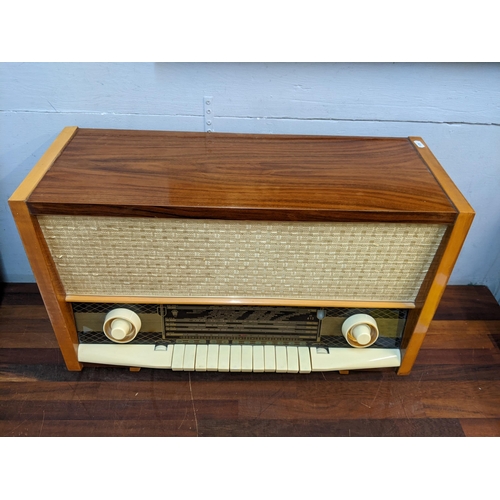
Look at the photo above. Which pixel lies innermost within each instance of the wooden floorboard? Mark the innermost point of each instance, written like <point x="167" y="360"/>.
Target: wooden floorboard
<point x="453" y="390"/>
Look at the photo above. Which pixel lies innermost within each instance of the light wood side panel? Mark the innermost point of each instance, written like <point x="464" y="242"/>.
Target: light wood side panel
<point x="228" y="301"/>
<point x="438" y="286"/>
<point x="455" y="243"/>
<point x="51" y="289"/>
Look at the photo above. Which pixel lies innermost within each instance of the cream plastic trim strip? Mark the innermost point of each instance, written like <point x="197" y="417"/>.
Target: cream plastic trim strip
<point x="151" y="356"/>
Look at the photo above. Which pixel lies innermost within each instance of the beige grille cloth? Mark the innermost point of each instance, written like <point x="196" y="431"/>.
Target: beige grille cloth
<point x="122" y="256"/>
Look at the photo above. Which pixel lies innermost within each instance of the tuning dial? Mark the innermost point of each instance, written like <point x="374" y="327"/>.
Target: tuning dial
<point x="121" y="325"/>
<point x="360" y="330"/>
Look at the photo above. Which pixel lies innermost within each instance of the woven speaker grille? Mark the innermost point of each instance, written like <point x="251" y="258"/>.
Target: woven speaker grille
<point x="213" y="258"/>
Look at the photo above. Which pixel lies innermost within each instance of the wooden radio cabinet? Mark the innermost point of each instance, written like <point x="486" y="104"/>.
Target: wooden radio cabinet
<point x="236" y="252"/>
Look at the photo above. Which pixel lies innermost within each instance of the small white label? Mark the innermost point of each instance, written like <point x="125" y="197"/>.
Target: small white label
<point x="419" y="144"/>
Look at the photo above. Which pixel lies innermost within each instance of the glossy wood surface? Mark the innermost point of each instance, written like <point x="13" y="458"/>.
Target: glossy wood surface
<point x="238" y="176"/>
<point x="453" y="390"/>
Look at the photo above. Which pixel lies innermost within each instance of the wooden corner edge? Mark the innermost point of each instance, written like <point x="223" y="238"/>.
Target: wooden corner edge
<point x="30" y="182"/>
<point x="442" y="177"/>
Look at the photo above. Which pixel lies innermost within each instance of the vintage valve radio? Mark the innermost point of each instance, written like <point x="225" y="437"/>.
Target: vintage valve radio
<point x="235" y="252"/>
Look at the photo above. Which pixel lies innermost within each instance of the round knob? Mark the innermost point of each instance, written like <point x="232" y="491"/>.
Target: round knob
<point x="120" y="328"/>
<point x="362" y="334"/>
<point x="360" y="330"/>
<point x="121" y="325"/>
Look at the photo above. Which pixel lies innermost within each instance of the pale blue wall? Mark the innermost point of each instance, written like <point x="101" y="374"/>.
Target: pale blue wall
<point x="454" y="107"/>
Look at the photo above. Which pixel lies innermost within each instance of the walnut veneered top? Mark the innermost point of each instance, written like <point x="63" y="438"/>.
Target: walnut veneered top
<point x="241" y="176"/>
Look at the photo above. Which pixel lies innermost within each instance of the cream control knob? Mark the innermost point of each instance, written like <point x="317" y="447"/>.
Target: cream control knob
<point x="120" y="328"/>
<point x="360" y="330"/>
<point x="121" y="325"/>
<point x="362" y="334"/>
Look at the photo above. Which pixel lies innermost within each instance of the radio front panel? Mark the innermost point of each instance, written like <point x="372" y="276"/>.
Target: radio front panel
<point x="257" y="325"/>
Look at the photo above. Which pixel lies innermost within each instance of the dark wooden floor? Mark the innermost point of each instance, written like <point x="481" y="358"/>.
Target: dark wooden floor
<point x="454" y="389"/>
